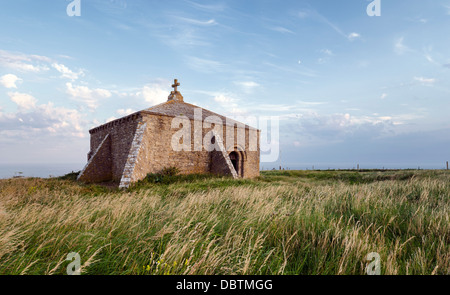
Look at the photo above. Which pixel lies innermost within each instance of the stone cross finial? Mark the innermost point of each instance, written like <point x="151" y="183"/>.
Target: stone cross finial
<point x="175" y="95"/>
<point x="175" y="85"/>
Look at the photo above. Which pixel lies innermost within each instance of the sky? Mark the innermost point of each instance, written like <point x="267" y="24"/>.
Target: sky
<point x="346" y="87"/>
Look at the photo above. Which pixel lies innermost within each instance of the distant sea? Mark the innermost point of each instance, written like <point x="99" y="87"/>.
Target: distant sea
<point x="37" y="170"/>
<point x="350" y="166"/>
<point x="56" y="170"/>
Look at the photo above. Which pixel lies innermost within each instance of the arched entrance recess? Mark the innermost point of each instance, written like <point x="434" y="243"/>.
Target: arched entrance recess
<point x="238" y="158"/>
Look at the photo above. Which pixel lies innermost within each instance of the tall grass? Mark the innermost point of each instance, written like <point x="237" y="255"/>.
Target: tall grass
<point x="282" y="223"/>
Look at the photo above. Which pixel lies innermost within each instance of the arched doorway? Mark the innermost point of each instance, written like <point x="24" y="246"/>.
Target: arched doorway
<point x="234" y="157"/>
<point x="237" y="159"/>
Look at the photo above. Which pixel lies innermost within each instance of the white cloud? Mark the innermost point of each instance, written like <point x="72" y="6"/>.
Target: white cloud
<point x="151" y="94"/>
<point x="43" y="120"/>
<point x="236" y="112"/>
<point x="229" y="105"/>
<point x="154" y="94"/>
<point x="65" y="56"/>
<point x="23" y="67"/>
<point x="24" y="62"/>
<point x="66" y="72"/>
<point x="223" y="99"/>
<point x="63" y="119"/>
<point x="353" y="36"/>
<point x="86" y="95"/>
<point x="426" y="81"/>
<point x="311" y="127"/>
<point x="110" y="119"/>
<point x="125" y="112"/>
<point x="428" y="51"/>
<point x="9" y="81"/>
<point x="247" y="86"/>
<point x="384" y="95"/>
<point x="226" y="104"/>
<point x="430" y="59"/>
<point x="23" y="100"/>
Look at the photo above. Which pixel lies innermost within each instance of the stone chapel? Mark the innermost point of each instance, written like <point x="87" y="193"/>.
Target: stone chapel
<point x="172" y="134"/>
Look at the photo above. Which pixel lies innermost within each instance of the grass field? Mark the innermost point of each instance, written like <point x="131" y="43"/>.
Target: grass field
<point x="285" y="222"/>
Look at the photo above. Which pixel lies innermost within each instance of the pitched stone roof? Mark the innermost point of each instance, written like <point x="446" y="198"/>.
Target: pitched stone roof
<point x="175" y="108"/>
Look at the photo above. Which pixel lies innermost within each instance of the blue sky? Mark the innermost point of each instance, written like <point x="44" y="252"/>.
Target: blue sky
<point x="348" y="88"/>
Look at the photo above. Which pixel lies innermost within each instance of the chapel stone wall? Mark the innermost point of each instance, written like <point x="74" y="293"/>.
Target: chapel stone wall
<point x="156" y="151"/>
<point x="122" y="134"/>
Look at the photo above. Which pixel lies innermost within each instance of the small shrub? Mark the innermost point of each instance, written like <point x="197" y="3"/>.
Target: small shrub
<point x="170" y="171"/>
<point x="166" y="176"/>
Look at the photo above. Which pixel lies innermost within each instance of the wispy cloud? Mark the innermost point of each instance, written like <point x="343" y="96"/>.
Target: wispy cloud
<point x="204" y="65"/>
<point x="282" y="30"/>
<point x="247" y="86"/>
<point x="207" y="7"/>
<point x="425" y="81"/>
<point x="302" y="103"/>
<point x="185" y="38"/>
<point x="448" y="9"/>
<point x="196" y="22"/>
<point x="327" y="52"/>
<point x="114" y="7"/>
<point x="332" y="25"/>
<point x="400" y="48"/>
<point x="303" y="13"/>
<point x="313" y="127"/>
<point x="428" y="56"/>
<point x="311" y="13"/>
<point x="24" y="62"/>
<point x="306" y="73"/>
<point x="430" y="59"/>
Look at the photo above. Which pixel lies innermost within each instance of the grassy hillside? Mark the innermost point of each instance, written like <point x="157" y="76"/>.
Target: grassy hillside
<point x="285" y="222"/>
